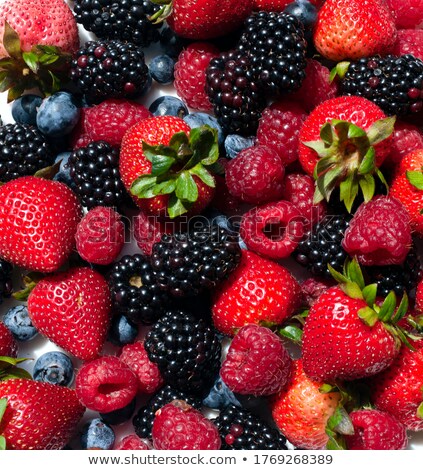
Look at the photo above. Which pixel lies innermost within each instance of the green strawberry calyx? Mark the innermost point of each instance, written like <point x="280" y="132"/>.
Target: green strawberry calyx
<point x="165" y="10"/>
<point x="3" y="406"/>
<point x="43" y="67"/>
<point x="9" y="368"/>
<point x="347" y="159"/>
<point x="415" y="178"/>
<point x="175" y="166"/>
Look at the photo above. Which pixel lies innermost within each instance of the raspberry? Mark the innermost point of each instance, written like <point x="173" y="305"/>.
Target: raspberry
<point x="313" y="287"/>
<point x="299" y="190"/>
<point x="178" y="426"/>
<point x="148" y="230"/>
<point x="273" y="230"/>
<point x="316" y="87"/>
<point x="409" y="41"/>
<point x="108" y="121"/>
<point x="379" y="233"/>
<point x="8" y="345"/>
<point x="279" y="127"/>
<point x="376" y="430"/>
<point x="257" y="362"/>
<point x="133" y="442"/>
<point x="408" y="14"/>
<point x="136" y="358"/>
<point x="406" y="138"/>
<point x="190" y="74"/>
<point x="255" y="175"/>
<point x="100" y="236"/>
<point x="106" y="384"/>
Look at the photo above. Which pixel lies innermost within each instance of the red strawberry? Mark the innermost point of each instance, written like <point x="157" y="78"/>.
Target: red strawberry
<point x="419" y="297"/>
<point x="162" y="169"/>
<point x="247" y="296"/>
<point x="351" y="29"/>
<point x="72" y="309"/>
<point x="38" y="415"/>
<point x="8" y="345"/>
<point x="38" y="221"/>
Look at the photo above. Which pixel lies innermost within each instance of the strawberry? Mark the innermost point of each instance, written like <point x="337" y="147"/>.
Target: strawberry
<point x="38" y="221"/>
<point x="342" y="143"/>
<point x="8" y="345"/>
<point x="352" y="29"/>
<point x="37" y="39"/>
<point x="407" y="186"/>
<point x="72" y="309"/>
<point x="346" y="335"/>
<point x="247" y="296"/>
<point x="167" y="172"/>
<point x="37" y="415"/>
<point x="278" y="5"/>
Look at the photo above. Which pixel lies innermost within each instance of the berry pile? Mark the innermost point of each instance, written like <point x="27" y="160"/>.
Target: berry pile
<point x="166" y="250"/>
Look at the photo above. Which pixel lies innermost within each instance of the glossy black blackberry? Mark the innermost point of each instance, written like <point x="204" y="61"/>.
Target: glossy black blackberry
<point x="394" y="83"/>
<point x="397" y="278"/>
<point x="186" y="349"/>
<point x="109" y="69"/>
<point x="5" y="279"/>
<point x="322" y="246"/>
<point x="277" y="49"/>
<point x="143" y="420"/>
<point x="234" y="93"/>
<point x="23" y="151"/>
<point x="188" y="263"/>
<point x="240" y="429"/>
<point x="135" y="292"/>
<point x="126" y="20"/>
<point x="95" y="172"/>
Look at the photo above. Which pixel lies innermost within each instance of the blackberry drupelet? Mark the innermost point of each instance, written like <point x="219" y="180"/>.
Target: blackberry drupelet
<point x="23" y="151"/>
<point x="322" y="246"/>
<point x="234" y="93"/>
<point x="143" y="420"/>
<point x="135" y="292"/>
<point x="188" y="263"/>
<point x="95" y="172"/>
<point x="186" y="350"/>
<point x="394" y="83"/>
<point x="5" y="279"/>
<point x="126" y="20"/>
<point x="109" y="69"/>
<point x="277" y="49"/>
<point x="240" y="429"/>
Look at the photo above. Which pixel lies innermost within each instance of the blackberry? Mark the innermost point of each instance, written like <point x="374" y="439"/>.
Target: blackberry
<point x="135" y="292"/>
<point x="186" y="350"/>
<point x="126" y="20"/>
<point x="188" y="263"/>
<point x="5" y="279"/>
<point x="240" y="429"/>
<point x="394" y="83"/>
<point x="277" y="49"/>
<point x="95" y="172"/>
<point x="109" y="69"/>
<point x="234" y="93"/>
<point x="322" y="246"/>
<point x="143" y="420"/>
<point x="23" y="151"/>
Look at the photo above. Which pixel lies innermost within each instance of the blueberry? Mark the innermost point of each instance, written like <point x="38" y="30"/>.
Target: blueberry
<point x="19" y="323"/>
<point x="304" y="11"/>
<point x="119" y="416"/>
<point x="235" y="143"/>
<point x="63" y="175"/>
<point x="168" y="106"/>
<point x="58" y="115"/>
<point x="54" y="367"/>
<point x="96" y="434"/>
<point x="220" y="396"/>
<point x="221" y="220"/>
<point x="122" y="331"/>
<point x="171" y="43"/>
<point x="201" y="119"/>
<point x="25" y="108"/>
<point x="161" y="69"/>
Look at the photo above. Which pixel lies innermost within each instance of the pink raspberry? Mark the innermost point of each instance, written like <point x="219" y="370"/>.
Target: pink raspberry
<point x="100" y="236"/>
<point x="148" y="230"/>
<point x="406" y="138"/>
<point x="379" y="233"/>
<point x="316" y="87"/>
<point x="133" y="442"/>
<point x="313" y="288"/>
<point x="178" y="426"/>
<point x="257" y="362"/>
<point x="106" y="384"/>
<point x="409" y="41"/>
<point x="299" y="190"/>
<point x="190" y="74"/>
<point x="135" y="357"/>
<point x="408" y="14"/>
<point x="273" y="230"/>
<point x="376" y="430"/>
<point x="255" y="176"/>
<point x="108" y="121"/>
<point x="279" y="127"/>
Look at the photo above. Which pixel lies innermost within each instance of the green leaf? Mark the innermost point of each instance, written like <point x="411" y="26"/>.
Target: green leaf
<point x="6" y="361"/>
<point x="3" y="406"/>
<point x="186" y="189"/>
<point x="369" y="294"/>
<point x="176" y="207"/>
<point x="340" y="70"/>
<point x="328" y="134"/>
<point x="367" y="186"/>
<point x="7" y="82"/>
<point x="328" y="181"/>
<point x="368" y="315"/>
<point x="7" y="63"/>
<point x="49" y="50"/>
<point x="15" y="373"/>
<point x="324" y="164"/>
<point x="381" y="130"/>
<point x="161" y="164"/>
<point x="179" y="142"/>
<point x="388" y="307"/>
<point x="368" y="163"/>
<point x="401" y="310"/>
<point x="48" y="59"/>
<point x="348" y="191"/>
<point x="420" y="411"/>
<point x="11" y="42"/>
<point x="55" y="83"/>
<point x="2" y="443"/>
<point x="31" y="60"/>
<point x="150" y="151"/>
<point x="352" y="290"/>
<point x="48" y="172"/>
<point x="382" y="178"/>
<point x="204" y="175"/>
<point x="328" y="388"/>
<point x="292" y="333"/>
<point x="142" y="184"/>
<point x="319" y="147"/>
<point x="354" y="273"/>
<point x="166" y="187"/>
<point x="415" y="178"/>
<point x="340" y="278"/>
<point x="355" y="132"/>
<point x="15" y="92"/>
<point x="204" y="142"/>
